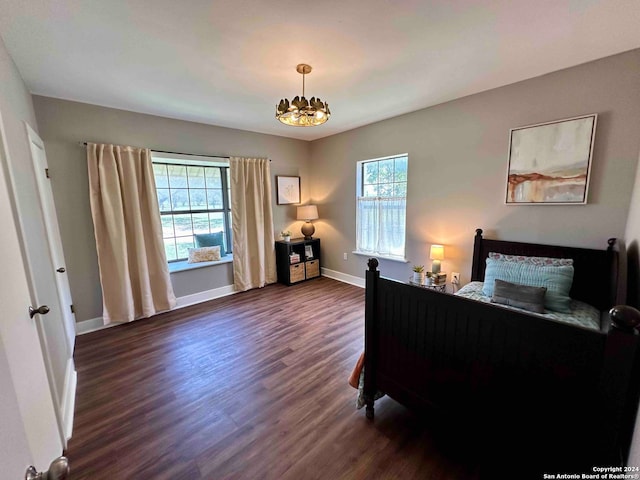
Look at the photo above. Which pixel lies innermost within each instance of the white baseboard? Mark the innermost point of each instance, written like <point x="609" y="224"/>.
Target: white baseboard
<point x="91" y="325"/>
<point x="343" y="277"/>
<point x="69" y="399"/>
<point x="94" y="324"/>
<point x="204" y="296"/>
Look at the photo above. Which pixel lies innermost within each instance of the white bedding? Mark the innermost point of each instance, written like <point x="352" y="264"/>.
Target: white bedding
<point x="581" y="314"/>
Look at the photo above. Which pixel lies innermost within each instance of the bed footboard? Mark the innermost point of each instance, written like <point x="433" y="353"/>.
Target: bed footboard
<point x="428" y="349"/>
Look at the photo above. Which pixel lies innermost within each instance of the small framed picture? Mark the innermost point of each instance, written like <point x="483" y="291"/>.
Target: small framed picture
<point x="308" y="252"/>
<point x="287" y="190"/>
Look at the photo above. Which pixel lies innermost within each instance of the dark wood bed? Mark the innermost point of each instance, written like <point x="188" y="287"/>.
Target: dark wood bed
<point x="517" y="372"/>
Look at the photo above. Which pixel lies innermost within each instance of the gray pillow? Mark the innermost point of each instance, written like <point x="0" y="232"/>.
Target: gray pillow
<point x="520" y="296"/>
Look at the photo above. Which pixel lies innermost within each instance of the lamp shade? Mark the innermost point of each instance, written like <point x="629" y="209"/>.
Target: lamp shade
<point x="307" y="212"/>
<point x="437" y="252"/>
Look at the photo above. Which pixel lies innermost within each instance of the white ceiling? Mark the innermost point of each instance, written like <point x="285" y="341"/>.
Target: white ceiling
<point x="229" y="62"/>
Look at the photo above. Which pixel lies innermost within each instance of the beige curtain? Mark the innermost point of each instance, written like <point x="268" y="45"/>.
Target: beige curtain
<point x="126" y="220"/>
<point x="254" y="259"/>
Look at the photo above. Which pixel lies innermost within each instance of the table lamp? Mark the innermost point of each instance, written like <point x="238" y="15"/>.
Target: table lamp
<point x="308" y="213"/>
<point x="437" y="254"/>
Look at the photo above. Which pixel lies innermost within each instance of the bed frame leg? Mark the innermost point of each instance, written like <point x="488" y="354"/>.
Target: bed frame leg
<point x="369" y="409"/>
<point x="370" y="327"/>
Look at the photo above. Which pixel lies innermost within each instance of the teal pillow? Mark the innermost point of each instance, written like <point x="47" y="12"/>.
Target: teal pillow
<point x="211" y="240"/>
<point x="556" y="279"/>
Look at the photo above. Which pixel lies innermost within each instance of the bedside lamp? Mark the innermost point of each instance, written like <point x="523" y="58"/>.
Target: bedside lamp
<point x="437" y="254"/>
<point x="308" y="213"/>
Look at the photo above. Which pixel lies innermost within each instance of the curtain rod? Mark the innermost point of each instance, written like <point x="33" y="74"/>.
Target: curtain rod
<point x="179" y="153"/>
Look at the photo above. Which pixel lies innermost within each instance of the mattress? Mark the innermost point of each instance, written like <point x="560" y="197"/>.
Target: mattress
<point x="582" y="314"/>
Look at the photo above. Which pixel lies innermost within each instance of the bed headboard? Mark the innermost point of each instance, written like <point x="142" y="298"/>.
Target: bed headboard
<point x="596" y="272"/>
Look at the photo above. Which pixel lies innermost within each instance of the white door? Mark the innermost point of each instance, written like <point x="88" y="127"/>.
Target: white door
<point x="29" y="427"/>
<point x="44" y="257"/>
<point x="41" y="168"/>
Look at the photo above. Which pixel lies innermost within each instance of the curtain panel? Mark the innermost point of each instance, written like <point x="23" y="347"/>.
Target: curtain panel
<point x="381" y="225"/>
<point x="126" y="218"/>
<point x="254" y="260"/>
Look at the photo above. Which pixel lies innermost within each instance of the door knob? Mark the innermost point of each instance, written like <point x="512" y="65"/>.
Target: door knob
<point x="42" y="310"/>
<point x="58" y="470"/>
<point x="61" y="270"/>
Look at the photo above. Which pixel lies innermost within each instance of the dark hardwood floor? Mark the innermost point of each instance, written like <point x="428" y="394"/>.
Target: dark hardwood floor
<point x="249" y="386"/>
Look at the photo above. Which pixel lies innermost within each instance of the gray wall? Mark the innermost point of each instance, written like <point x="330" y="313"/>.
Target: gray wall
<point x="16" y="108"/>
<point x="457" y="168"/>
<point x="63" y="124"/>
<point x="457" y="171"/>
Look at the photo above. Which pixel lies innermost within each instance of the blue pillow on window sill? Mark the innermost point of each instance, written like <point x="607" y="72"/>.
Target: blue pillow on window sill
<point x="211" y="240"/>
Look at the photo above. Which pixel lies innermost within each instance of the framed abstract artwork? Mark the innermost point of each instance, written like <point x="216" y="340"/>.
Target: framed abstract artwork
<point x="287" y="190"/>
<point x="550" y="163"/>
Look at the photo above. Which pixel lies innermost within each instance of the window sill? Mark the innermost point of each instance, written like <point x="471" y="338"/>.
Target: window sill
<point x="183" y="266"/>
<point x="381" y="257"/>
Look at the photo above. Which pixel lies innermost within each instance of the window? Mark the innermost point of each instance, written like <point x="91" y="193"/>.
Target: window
<point x="194" y="197"/>
<point x="381" y="206"/>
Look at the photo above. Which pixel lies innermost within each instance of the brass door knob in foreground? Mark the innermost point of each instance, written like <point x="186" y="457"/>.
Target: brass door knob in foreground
<point x="58" y="470"/>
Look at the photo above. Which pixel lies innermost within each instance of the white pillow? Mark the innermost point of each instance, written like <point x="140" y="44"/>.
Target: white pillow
<point x="204" y="254"/>
<point x="542" y="261"/>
